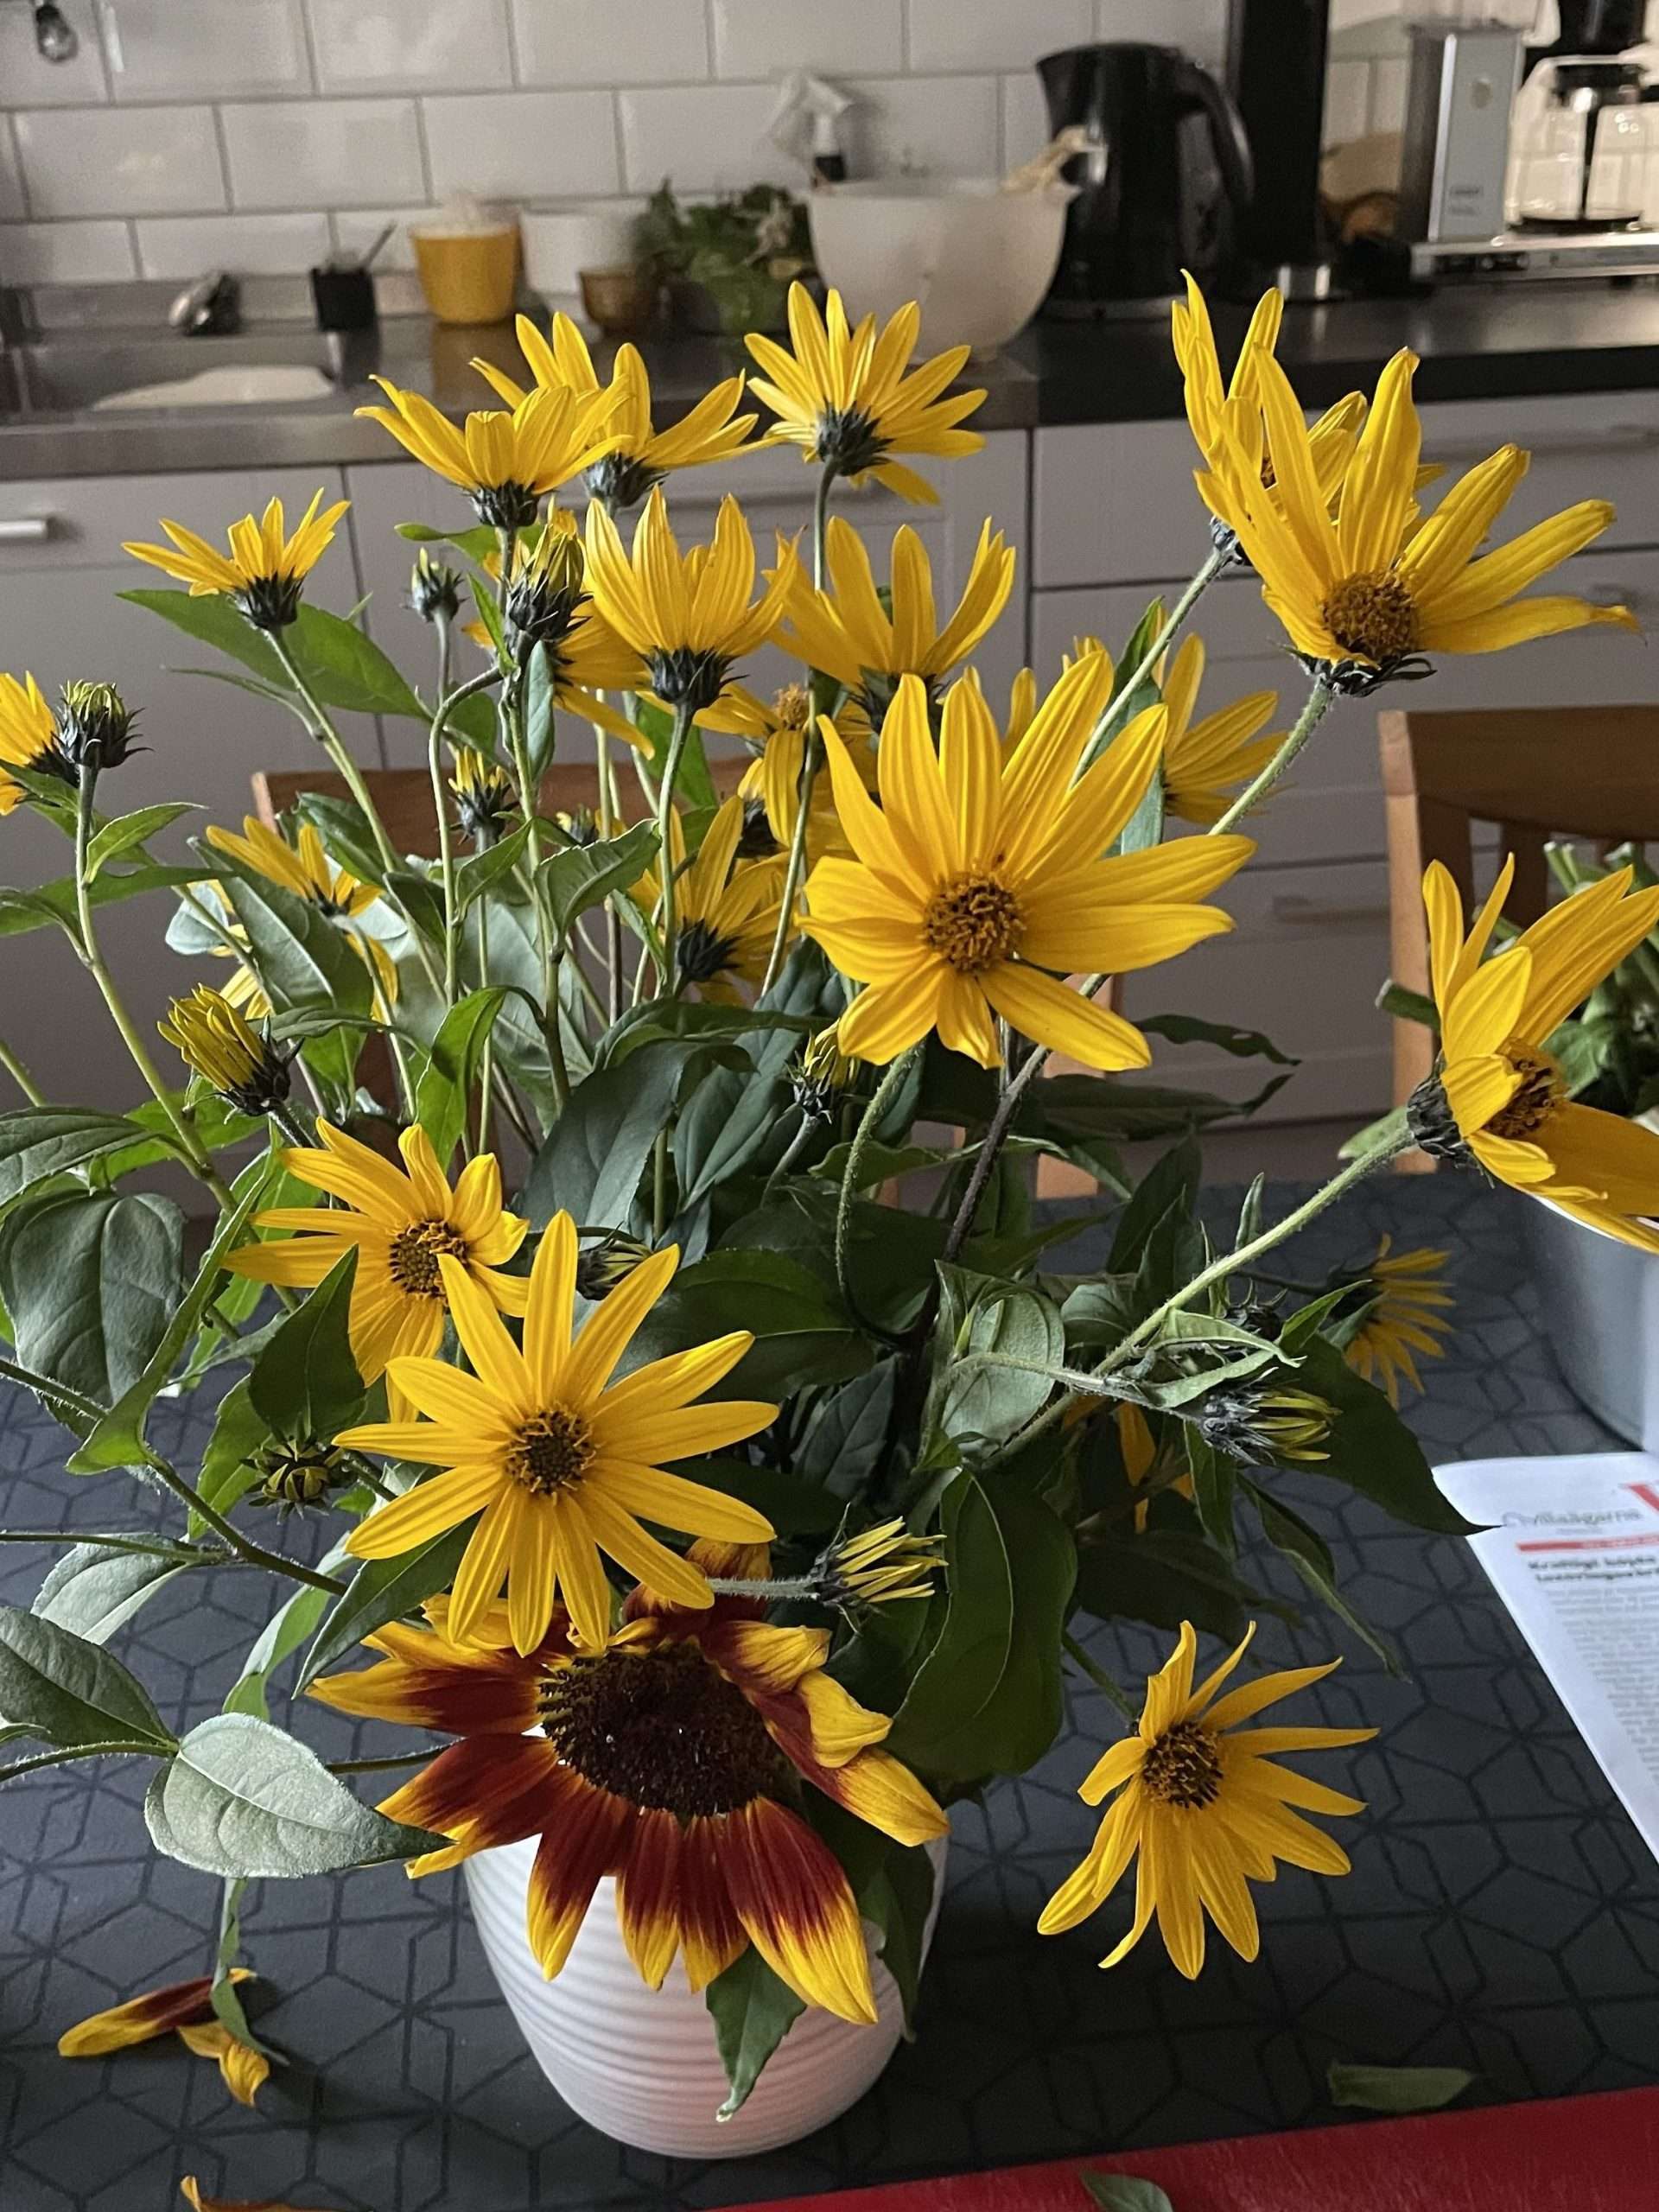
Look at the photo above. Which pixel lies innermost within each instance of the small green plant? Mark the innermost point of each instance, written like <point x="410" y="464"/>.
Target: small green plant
<point x="744" y="249"/>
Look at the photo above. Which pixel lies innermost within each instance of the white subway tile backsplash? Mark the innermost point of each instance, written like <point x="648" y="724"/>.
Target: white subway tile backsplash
<point x="1198" y="27"/>
<point x="64" y="253"/>
<point x="703" y="138"/>
<point x="13" y="206"/>
<point x="327" y="153"/>
<point x="1025" y="119"/>
<point x="103" y="162"/>
<point x="521" y="145"/>
<point x="254" y="245"/>
<point x="994" y="34"/>
<point x="27" y="80"/>
<point x="762" y="38"/>
<point x="161" y="48"/>
<point x="356" y="231"/>
<point x="941" y="126"/>
<point x="611" y="42"/>
<point x="400" y="46"/>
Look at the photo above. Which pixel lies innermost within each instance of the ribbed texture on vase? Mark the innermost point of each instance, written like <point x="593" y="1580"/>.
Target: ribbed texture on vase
<point x="642" y="2065"/>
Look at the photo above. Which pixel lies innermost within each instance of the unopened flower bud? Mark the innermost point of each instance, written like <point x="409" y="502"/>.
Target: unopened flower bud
<point x="548" y="584"/>
<point x="434" y="589"/>
<point x="298" y="1476"/>
<point x="603" y="1265"/>
<point x="221" y="1045"/>
<point x="94" y="726"/>
<point x="485" y="796"/>
<point x="821" y="1075"/>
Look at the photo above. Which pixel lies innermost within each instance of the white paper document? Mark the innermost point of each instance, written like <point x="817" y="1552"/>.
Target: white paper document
<point x="1573" y="1549"/>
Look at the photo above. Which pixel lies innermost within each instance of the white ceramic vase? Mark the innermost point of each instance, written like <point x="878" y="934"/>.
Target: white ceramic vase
<point x="641" y="2065"/>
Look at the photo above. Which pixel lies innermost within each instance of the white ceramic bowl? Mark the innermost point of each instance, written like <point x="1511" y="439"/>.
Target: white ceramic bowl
<point x="977" y="258"/>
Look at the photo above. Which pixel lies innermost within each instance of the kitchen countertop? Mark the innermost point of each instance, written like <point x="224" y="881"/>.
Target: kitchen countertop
<point x="1502" y="1914"/>
<point x="1475" y="343"/>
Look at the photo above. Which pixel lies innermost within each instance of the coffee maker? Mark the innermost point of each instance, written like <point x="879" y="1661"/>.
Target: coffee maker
<point x="1584" y="151"/>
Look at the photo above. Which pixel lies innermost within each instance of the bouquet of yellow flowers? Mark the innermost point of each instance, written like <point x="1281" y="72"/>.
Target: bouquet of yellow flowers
<point x="726" y="1509"/>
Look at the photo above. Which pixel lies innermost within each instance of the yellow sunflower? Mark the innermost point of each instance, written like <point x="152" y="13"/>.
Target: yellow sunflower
<point x="506" y="462"/>
<point x="558" y="1465"/>
<point x="672" y="1758"/>
<point x="728" y="908"/>
<point x="28" y="738"/>
<point x="1404" y="1295"/>
<point x="775" y="732"/>
<point x="689" y="616"/>
<point x="265" y="571"/>
<point x="402" y="1225"/>
<point x="979" y="882"/>
<point x="1499" y="1095"/>
<point x="846" y="631"/>
<point x="1204" y="760"/>
<point x="1364" y="595"/>
<point x="639" y="456"/>
<point x="1332" y="440"/>
<point x="1204" y="1806"/>
<point x="304" y="869"/>
<point x="851" y="401"/>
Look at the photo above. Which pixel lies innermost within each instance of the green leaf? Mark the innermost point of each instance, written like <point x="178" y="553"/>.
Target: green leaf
<point x="384" y="1590"/>
<point x="730" y="1119"/>
<point x="591" y="1165"/>
<point x="239" y="1431"/>
<point x="802" y="1335"/>
<point x="92" y="1590"/>
<point x="346" y="837"/>
<point x="282" y="1635"/>
<point x="37" y="1142"/>
<point x="479" y="543"/>
<point x="1310" y="1555"/>
<point x="480" y="872"/>
<point x="1164" y="1577"/>
<point x="846" y="1439"/>
<point x="240" y="1798"/>
<point x="444" y="1090"/>
<point x="90" y="1280"/>
<point x="1242" y="1044"/>
<point x="1371" y="1448"/>
<point x="305" y="963"/>
<point x="1009" y="1322"/>
<point x="1396" y="2089"/>
<point x="1124" y="2193"/>
<point x="794" y="1506"/>
<point x="1407" y="1005"/>
<point x="130" y="830"/>
<point x="342" y="667"/>
<point x="753" y="2010"/>
<point x="119" y="1438"/>
<point x="1170" y="1184"/>
<point x="305" y="1384"/>
<point x="966" y="1661"/>
<point x="54" y="902"/>
<point x="581" y="876"/>
<point x="68" y="1691"/>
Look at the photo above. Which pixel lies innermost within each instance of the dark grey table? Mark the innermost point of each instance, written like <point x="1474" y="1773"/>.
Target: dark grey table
<point x="1502" y="1914"/>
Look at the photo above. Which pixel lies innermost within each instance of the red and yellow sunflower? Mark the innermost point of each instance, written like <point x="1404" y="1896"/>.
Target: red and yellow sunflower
<point x="673" y="1759"/>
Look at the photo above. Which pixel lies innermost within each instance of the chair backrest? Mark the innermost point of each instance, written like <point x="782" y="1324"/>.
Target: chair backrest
<point x="403" y="796"/>
<point x="1537" y="772"/>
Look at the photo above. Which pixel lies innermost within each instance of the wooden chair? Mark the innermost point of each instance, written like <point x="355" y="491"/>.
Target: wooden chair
<point x="1537" y="772"/>
<point x="403" y="796"/>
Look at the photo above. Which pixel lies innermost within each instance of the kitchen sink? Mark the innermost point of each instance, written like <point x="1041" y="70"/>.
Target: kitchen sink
<point x="141" y="369"/>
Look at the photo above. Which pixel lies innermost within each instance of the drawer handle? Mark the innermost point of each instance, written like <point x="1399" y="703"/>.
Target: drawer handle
<point x="25" y="530"/>
<point x="1627" y="438"/>
<point x="1316" y="914"/>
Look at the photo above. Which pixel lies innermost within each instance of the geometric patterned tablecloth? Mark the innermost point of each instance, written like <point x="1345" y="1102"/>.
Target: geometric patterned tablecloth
<point x="1502" y="1914"/>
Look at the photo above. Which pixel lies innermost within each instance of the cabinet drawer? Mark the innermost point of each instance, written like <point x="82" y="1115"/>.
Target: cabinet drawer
<point x="87" y="519"/>
<point x="1114" y="502"/>
<point x="1304" y="961"/>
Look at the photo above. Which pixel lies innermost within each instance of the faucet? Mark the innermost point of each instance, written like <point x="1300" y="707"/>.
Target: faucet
<point x="209" y="307"/>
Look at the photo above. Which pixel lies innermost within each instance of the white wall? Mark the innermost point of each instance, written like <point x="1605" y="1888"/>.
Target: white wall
<point x="261" y="133"/>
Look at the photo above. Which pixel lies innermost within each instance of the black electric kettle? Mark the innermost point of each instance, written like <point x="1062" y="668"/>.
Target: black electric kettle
<point x="1164" y="182"/>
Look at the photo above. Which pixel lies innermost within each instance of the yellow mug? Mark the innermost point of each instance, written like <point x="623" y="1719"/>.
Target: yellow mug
<point x="468" y="276"/>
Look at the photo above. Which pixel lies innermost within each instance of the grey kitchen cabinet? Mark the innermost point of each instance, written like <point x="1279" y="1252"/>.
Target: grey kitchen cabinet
<point x="776" y="490"/>
<point x="62" y="617"/>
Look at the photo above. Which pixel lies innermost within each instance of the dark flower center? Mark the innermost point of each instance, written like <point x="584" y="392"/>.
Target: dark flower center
<point x="553" y="1449"/>
<point x="1372" y="614"/>
<point x="703" y="953"/>
<point x="271" y="602"/>
<point x="413" y="1257"/>
<point x="689" y="676"/>
<point x="973" y="923"/>
<point x="621" y="480"/>
<point x="663" y="1729"/>
<point x="1536" y="1096"/>
<point x="1183" y="1768"/>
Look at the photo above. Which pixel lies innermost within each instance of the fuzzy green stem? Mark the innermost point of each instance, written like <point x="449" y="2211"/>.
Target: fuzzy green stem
<point x="77" y="1751"/>
<point x="195" y="1158"/>
<point x="811" y="758"/>
<point x="54" y="1394"/>
<point x="384" y="1765"/>
<point x="1215" y="561"/>
<point x="792" y="1152"/>
<point x="669" y="965"/>
<point x="244" y="1546"/>
<point x="113" y="1539"/>
<point x="446" y="831"/>
<point x="20" y="1074"/>
<point x="863" y="1135"/>
<point x="1319" y="699"/>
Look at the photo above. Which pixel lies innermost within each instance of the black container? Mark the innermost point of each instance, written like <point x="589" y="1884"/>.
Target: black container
<point x="343" y="299"/>
<point x="1165" y="183"/>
